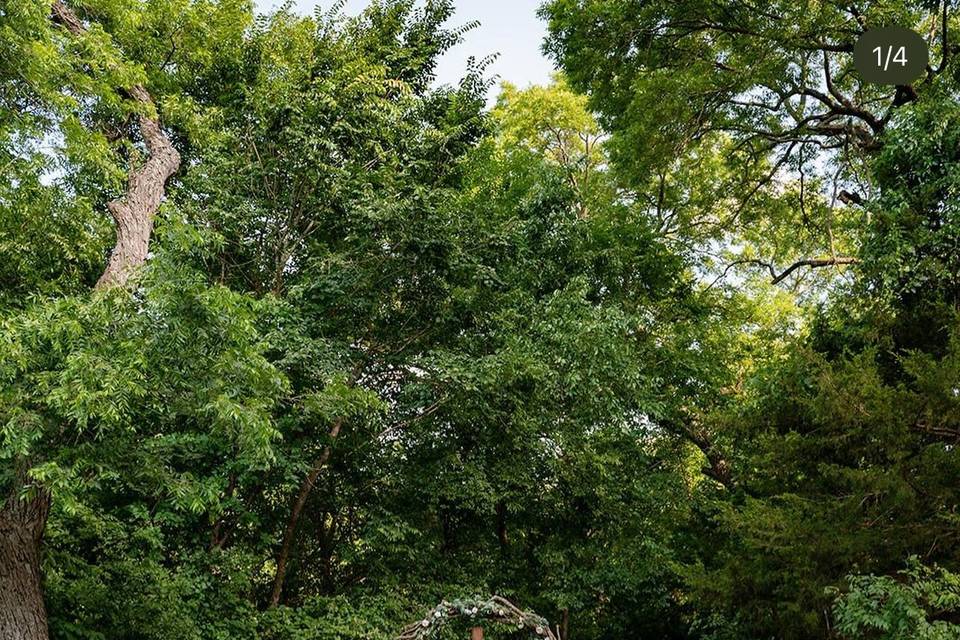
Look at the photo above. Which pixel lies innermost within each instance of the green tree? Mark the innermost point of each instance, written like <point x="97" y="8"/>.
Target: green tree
<point x="840" y="438"/>
<point x="922" y="604"/>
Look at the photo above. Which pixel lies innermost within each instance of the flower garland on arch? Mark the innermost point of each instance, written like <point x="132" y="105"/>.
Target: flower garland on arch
<point x="495" y="609"/>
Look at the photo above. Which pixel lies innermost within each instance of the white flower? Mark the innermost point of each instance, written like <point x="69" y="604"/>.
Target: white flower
<point x="425" y="623"/>
<point x="539" y="630"/>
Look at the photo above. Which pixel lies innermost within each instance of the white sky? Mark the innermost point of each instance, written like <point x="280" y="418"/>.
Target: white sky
<point x="508" y="27"/>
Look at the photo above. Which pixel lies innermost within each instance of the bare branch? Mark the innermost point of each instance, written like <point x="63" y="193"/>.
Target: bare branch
<point x="813" y="264"/>
<point x="775" y="278"/>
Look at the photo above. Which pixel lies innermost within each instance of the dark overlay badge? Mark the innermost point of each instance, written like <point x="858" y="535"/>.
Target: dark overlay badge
<point x="890" y="55"/>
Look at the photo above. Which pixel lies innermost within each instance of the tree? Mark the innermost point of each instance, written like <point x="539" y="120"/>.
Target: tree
<point x="838" y="459"/>
<point x="668" y="79"/>
<point x="26" y="509"/>
<point x="49" y="372"/>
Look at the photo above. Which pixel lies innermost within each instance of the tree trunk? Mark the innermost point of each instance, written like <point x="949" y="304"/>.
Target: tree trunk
<point x="134" y="213"/>
<point x="296" y="510"/>
<point x="146" y="185"/>
<point x="23" y="615"/>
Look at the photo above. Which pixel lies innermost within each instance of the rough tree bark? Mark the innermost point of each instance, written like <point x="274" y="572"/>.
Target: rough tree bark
<point x="23" y="615"/>
<point x="23" y="519"/>
<point x="134" y="212"/>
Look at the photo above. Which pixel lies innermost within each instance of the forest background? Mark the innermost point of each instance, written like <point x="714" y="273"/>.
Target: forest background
<point x="295" y="343"/>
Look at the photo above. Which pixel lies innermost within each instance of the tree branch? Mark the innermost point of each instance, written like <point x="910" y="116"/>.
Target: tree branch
<point x="777" y="278"/>
<point x="133" y="213"/>
<point x="815" y="263"/>
<point x="306" y="487"/>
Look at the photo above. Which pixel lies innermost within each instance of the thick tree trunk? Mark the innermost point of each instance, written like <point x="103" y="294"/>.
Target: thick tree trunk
<point x="134" y="213"/>
<point x="23" y="615"/>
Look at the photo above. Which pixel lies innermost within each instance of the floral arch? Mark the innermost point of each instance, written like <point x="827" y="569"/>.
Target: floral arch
<point x="476" y="610"/>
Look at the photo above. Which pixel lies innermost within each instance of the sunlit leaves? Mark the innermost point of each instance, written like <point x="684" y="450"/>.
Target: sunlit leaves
<point x="909" y="606"/>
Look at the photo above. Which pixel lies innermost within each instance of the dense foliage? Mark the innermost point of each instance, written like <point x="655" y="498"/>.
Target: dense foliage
<point x="667" y="348"/>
